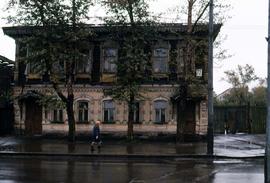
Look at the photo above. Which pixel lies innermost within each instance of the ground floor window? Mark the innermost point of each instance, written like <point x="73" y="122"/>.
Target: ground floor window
<point x="108" y="108"/>
<point x="57" y="116"/>
<point x="136" y="112"/>
<point x="160" y="111"/>
<point x="82" y="112"/>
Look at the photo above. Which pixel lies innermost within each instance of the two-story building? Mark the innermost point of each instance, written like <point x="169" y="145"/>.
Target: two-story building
<point x="155" y="113"/>
<point x="6" y="106"/>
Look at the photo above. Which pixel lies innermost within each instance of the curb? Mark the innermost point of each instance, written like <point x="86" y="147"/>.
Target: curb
<point x="122" y="156"/>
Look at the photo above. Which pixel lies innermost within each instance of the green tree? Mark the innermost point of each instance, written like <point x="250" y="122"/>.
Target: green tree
<point x="196" y="14"/>
<point x="133" y="35"/>
<point x="258" y="95"/>
<point x="57" y="32"/>
<point x="239" y="80"/>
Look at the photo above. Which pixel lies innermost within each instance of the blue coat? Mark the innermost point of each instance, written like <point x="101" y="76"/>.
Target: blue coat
<point x="96" y="133"/>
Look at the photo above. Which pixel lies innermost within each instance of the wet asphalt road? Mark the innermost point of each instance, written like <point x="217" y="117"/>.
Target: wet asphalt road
<point x="242" y="145"/>
<point x="35" y="170"/>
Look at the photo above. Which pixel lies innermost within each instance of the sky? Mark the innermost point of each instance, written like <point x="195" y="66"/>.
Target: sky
<point x="245" y="31"/>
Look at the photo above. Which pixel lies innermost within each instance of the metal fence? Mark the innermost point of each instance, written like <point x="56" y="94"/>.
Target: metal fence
<point x="240" y="119"/>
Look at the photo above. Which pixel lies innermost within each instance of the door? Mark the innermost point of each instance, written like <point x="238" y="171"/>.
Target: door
<point x="190" y="118"/>
<point x="33" y="117"/>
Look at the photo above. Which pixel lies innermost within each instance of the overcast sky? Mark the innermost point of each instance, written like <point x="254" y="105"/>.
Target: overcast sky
<point x="246" y="32"/>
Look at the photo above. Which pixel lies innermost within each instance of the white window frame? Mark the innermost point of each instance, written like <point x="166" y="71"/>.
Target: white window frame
<point x="111" y="111"/>
<point x="84" y="112"/>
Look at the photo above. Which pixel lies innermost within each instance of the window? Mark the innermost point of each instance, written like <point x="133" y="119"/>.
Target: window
<point x="58" y="116"/>
<point x="160" y="111"/>
<point x="82" y="112"/>
<point x="32" y="66"/>
<point x="136" y="113"/>
<point x="110" y="58"/>
<point x="85" y="64"/>
<point x="108" y="115"/>
<point x="58" y="69"/>
<point x="160" y="60"/>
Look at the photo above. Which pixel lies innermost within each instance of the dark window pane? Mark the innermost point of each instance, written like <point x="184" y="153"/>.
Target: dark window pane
<point x="54" y="115"/>
<point x="162" y="117"/>
<point x="108" y="104"/>
<point x="106" y="116"/>
<point x="61" y="115"/>
<point x="157" y="115"/>
<point x="84" y="64"/>
<point x="85" y="115"/>
<point x="160" y="104"/>
<point x="80" y="116"/>
<point x="160" y="60"/>
<point x="111" y="116"/>
<point x="110" y="57"/>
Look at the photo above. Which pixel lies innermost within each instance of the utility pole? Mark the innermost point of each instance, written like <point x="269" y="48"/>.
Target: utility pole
<point x="210" y="128"/>
<point x="267" y="147"/>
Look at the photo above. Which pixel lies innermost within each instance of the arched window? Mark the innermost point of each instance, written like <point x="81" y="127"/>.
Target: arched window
<point x="83" y="111"/>
<point x="160" y="107"/>
<point x="108" y="111"/>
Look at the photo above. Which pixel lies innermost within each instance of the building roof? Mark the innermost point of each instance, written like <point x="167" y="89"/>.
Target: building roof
<point x="201" y="29"/>
<point x="4" y="60"/>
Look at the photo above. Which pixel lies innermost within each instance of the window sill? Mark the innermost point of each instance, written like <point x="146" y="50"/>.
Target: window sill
<point x="108" y="123"/>
<point x="57" y="122"/>
<point x="83" y="122"/>
<point x="83" y="75"/>
<point x="108" y="77"/>
<point x="160" y="123"/>
<point x="33" y="76"/>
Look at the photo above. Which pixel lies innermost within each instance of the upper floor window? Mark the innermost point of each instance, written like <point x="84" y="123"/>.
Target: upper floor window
<point x="33" y="66"/>
<point x="110" y="59"/>
<point x="160" y="60"/>
<point x="84" y="65"/>
<point x="58" y="68"/>
<point x="82" y="111"/>
<point x="108" y="111"/>
<point x="160" y="107"/>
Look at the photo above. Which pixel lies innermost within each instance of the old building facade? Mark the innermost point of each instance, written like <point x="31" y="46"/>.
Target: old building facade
<point x="155" y="113"/>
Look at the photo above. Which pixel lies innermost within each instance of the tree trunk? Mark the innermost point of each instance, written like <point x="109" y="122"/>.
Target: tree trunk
<point x="181" y="120"/>
<point x="130" y="118"/>
<point x="181" y="113"/>
<point x="71" y="119"/>
<point x="189" y="21"/>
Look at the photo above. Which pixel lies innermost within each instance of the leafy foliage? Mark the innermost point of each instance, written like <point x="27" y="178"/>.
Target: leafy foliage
<point x="133" y="35"/>
<point x="56" y="32"/>
<point x="240" y="79"/>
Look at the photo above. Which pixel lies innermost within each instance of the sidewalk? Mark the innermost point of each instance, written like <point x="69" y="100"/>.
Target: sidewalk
<point x="238" y="146"/>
